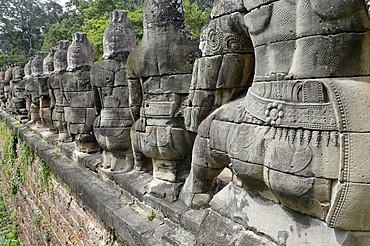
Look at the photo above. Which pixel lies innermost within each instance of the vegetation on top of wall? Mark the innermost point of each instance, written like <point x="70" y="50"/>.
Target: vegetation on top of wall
<point x="44" y="181"/>
<point x="15" y="158"/>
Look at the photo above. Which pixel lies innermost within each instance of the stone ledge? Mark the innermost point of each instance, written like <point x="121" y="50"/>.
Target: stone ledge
<point x="120" y="199"/>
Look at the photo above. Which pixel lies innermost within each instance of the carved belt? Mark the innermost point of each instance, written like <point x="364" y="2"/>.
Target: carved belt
<point x="316" y="116"/>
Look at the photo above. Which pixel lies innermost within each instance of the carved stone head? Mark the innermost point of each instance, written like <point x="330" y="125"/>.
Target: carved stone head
<point x="37" y="64"/>
<point x="48" y="65"/>
<point x="119" y="37"/>
<point x="80" y="53"/>
<point x="9" y="72"/>
<point x="2" y="73"/>
<point x="157" y="12"/>
<point x="18" y="71"/>
<point x="60" y="56"/>
<point x="27" y="67"/>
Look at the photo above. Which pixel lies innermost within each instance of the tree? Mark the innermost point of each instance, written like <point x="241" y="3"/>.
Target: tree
<point x="195" y="18"/>
<point x="23" y="22"/>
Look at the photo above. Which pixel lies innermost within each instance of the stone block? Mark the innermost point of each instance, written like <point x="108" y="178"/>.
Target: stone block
<point x="354" y="160"/>
<point x="250" y="5"/>
<point x="227" y="7"/>
<point x="226" y="34"/>
<point x="272" y="22"/>
<point x="206" y="72"/>
<point x="80" y="99"/>
<point x="203" y="98"/>
<point x="267" y="61"/>
<point x="151" y="84"/>
<point x="236" y="71"/>
<point x="352" y="113"/>
<point x="333" y="58"/>
<point x="176" y="83"/>
<point x="226" y="233"/>
<point x="121" y="76"/>
<point x="288" y="227"/>
<point x="349" y="206"/>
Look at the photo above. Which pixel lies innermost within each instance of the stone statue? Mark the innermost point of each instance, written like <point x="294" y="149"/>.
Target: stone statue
<point x="32" y="89"/>
<point x="225" y="70"/>
<point x="17" y="103"/>
<point x="78" y="97"/>
<point x="300" y="135"/>
<point x="113" y="125"/>
<point x="159" y="72"/>
<point x="26" y="80"/>
<point x="5" y="85"/>
<point x="45" y="101"/>
<point x="57" y="99"/>
<point x="27" y="68"/>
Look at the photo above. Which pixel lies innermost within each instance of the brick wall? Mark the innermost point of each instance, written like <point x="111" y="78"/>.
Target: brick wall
<point x="50" y="214"/>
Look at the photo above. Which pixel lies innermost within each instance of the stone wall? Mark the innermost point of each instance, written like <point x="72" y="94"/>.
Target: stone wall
<point x="47" y="210"/>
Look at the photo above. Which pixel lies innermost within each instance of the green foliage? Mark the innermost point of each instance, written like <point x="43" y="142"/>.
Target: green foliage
<point x="95" y="31"/>
<point x="195" y="18"/>
<point x="15" y="158"/>
<point x="8" y="227"/>
<point x="22" y="24"/>
<point x="44" y="182"/>
<point x="151" y="215"/>
<point x="14" y="56"/>
<point x="109" y="240"/>
<point x="136" y="19"/>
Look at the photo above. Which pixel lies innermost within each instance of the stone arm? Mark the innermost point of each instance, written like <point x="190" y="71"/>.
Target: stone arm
<point x="97" y="100"/>
<point x="135" y="97"/>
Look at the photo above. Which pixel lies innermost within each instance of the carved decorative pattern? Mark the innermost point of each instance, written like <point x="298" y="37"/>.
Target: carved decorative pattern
<point x="339" y="203"/>
<point x="306" y="115"/>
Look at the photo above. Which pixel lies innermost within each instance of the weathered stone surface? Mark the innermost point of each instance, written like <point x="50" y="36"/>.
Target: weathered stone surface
<point x="223" y="7"/>
<point x="37" y="64"/>
<point x="48" y="63"/>
<point x="77" y="102"/>
<point x="159" y="72"/>
<point x="80" y="53"/>
<point x="111" y="95"/>
<point x="27" y="67"/>
<point x="119" y="37"/>
<point x="167" y="47"/>
<point x="296" y="142"/>
<point x="17" y="97"/>
<point x="283" y="225"/>
<point x="227" y="233"/>
<point x="60" y="56"/>
<point x="225" y="70"/>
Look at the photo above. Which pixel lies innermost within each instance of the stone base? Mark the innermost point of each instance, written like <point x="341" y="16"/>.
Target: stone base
<point x="163" y="189"/>
<point x="283" y="225"/>
<point x="117" y="162"/>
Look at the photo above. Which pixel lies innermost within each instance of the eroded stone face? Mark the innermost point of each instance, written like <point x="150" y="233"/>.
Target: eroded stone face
<point x="48" y="64"/>
<point x="159" y="72"/>
<point x="119" y="37"/>
<point x="80" y="52"/>
<point x="60" y="56"/>
<point x="27" y="67"/>
<point x="295" y="138"/>
<point x="37" y="64"/>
